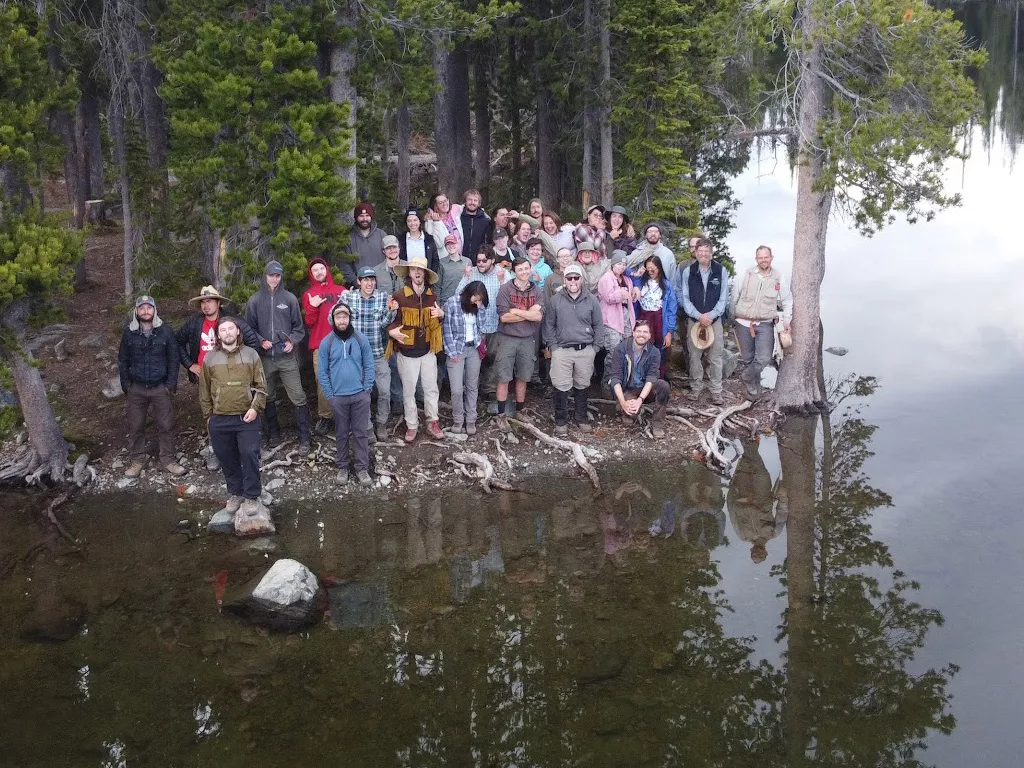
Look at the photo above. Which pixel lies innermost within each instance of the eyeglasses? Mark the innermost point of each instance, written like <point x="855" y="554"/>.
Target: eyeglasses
<point x="572" y="277"/>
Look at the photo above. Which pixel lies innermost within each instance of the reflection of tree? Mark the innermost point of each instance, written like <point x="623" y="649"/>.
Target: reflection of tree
<point x="850" y="699"/>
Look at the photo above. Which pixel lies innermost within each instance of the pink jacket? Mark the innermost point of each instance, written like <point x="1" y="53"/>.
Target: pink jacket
<point x="612" y="295"/>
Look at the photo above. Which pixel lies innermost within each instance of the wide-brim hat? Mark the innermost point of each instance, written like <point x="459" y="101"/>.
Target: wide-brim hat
<point x="619" y="210"/>
<point x="208" y="292"/>
<point x="702" y="336"/>
<point x="402" y="269"/>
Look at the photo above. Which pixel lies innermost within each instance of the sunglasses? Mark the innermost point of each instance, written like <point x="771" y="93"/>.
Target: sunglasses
<point x="572" y="277"/>
<point x="482" y="259"/>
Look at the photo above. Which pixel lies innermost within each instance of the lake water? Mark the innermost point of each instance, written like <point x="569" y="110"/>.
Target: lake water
<point x="882" y="625"/>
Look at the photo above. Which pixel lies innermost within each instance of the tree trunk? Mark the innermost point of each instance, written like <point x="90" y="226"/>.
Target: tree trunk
<point x="119" y="142"/>
<point x="590" y="137"/>
<point x="89" y="113"/>
<point x="797" y="456"/>
<point x="515" y="121"/>
<point x="444" y="120"/>
<point x="482" y="116"/>
<point x="797" y="388"/>
<point x="547" y="162"/>
<point x="459" y="84"/>
<point x="605" y="108"/>
<point x="342" y="91"/>
<point x="62" y="122"/>
<point x="403" y="139"/>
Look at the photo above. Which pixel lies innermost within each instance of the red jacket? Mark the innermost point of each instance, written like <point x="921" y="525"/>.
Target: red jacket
<point x="318" y="319"/>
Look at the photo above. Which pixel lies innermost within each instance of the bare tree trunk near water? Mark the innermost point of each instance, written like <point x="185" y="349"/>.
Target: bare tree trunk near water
<point x="797" y="387"/>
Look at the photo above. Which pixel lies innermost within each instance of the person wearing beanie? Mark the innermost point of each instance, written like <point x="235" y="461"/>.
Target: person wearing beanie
<point x="232" y="395"/>
<point x="615" y="292"/>
<point x="147" y="362"/>
<point x="273" y="313"/>
<point x="345" y="374"/>
<point x="317" y="301"/>
<point x="416" y="242"/>
<point x="364" y="246"/>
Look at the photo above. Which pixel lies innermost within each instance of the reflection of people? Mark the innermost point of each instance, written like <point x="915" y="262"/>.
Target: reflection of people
<point x="698" y="509"/>
<point x="752" y="504"/>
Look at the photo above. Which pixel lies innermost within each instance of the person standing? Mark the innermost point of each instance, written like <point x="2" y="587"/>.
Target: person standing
<point x="389" y="281"/>
<point x="593" y="265"/>
<point x="520" y="314"/>
<point x="415" y="242"/>
<point x="198" y="334"/>
<point x="316" y="312"/>
<point x="760" y="299"/>
<point x="553" y="284"/>
<point x="147" y="362"/>
<point x="656" y="303"/>
<point x="453" y="269"/>
<point x="492" y="277"/>
<point x="540" y="270"/>
<point x="573" y="329"/>
<point x="346" y="377"/>
<point x="365" y="244"/>
<point x="416" y="339"/>
<point x="593" y="232"/>
<point x="705" y="293"/>
<point x="273" y="312"/>
<point x="475" y="223"/>
<point x="444" y="219"/>
<point x="615" y="292"/>
<point x="619" y="230"/>
<point x="462" y="339"/>
<point x="633" y="377"/>
<point x="502" y="253"/>
<point x="372" y="312"/>
<point x="232" y="395"/>
<point x="652" y="245"/>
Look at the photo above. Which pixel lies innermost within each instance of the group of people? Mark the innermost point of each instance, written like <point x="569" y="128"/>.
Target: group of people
<point x="490" y="303"/>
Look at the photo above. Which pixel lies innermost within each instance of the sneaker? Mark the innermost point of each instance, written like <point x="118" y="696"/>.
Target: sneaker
<point x="249" y="508"/>
<point x="717" y="399"/>
<point x="457" y="429"/>
<point x="342" y="477"/>
<point x="471" y="429"/>
<point x="561" y="430"/>
<point x="232" y="504"/>
<point x="410" y="435"/>
<point x="503" y="425"/>
<point x="364" y="478"/>
<point x="434" y="430"/>
<point x="323" y="426"/>
<point x="134" y="470"/>
<point x="658" y="431"/>
<point x="382" y="432"/>
<point x="174" y="468"/>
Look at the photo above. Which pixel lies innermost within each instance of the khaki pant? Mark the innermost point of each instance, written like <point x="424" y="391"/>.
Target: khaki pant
<point x="323" y="405"/>
<point x="424" y="369"/>
<point x="714" y="359"/>
<point x="572" y="368"/>
<point x="287" y="367"/>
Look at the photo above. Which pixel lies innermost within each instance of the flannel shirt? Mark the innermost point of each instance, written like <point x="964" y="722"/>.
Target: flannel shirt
<point x="370" y="316"/>
<point x="487" y="318"/>
<point x="453" y="328"/>
<point x="598" y="237"/>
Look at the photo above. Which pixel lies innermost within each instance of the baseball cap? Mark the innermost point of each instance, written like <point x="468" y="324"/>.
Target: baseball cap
<point x="500" y="232"/>
<point x="573" y="269"/>
<point x="145" y="300"/>
<point x="451" y="239"/>
<point x="389" y="241"/>
<point x="366" y="272"/>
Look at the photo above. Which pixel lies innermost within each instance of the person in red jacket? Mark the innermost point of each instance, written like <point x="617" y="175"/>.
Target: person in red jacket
<point x="317" y="301"/>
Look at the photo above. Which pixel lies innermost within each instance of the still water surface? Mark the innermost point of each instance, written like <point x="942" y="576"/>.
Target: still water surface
<point x="883" y="625"/>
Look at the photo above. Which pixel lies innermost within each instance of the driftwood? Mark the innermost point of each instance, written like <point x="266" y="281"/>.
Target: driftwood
<point x="287" y="461"/>
<point x="578" y="452"/>
<point x="484" y="470"/>
<point x="502" y="456"/>
<point x="715" y="442"/>
<point x="53" y="506"/>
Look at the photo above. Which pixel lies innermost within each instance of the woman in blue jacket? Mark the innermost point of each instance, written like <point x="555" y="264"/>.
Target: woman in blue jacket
<point x="345" y="372"/>
<point x="655" y="302"/>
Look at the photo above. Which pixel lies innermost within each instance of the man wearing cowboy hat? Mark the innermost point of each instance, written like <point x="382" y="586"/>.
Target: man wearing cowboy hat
<point x="198" y="334"/>
<point x="416" y="339"/>
<point x="705" y="293"/>
<point x="760" y="299"/>
<point x="147" y="361"/>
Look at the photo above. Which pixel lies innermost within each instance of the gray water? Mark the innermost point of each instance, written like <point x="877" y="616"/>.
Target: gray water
<point x="883" y="627"/>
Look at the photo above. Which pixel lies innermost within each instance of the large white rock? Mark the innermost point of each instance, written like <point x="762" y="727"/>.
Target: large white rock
<point x="286" y="583"/>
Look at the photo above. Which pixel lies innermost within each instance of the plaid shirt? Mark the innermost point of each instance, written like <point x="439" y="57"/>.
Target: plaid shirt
<point x="598" y="237"/>
<point x="487" y="317"/>
<point x="453" y="328"/>
<point x="370" y="316"/>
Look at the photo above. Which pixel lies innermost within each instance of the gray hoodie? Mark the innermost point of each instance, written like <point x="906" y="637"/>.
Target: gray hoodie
<point x="369" y="252"/>
<point x="569" y="321"/>
<point x="275" y="317"/>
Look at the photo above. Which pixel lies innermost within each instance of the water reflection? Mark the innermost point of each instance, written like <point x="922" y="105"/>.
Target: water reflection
<point x="545" y="629"/>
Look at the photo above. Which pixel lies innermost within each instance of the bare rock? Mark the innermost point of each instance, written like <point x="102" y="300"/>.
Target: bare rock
<point x="94" y="340"/>
<point x="113" y="388"/>
<point x="274" y="484"/>
<point x="222" y="522"/>
<point x="60" y="350"/>
<point x="253" y="519"/>
<point x="286" y="597"/>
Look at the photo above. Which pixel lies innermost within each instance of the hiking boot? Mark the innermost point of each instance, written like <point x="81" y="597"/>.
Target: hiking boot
<point x="371" y="438"/>
<point x="232" y="504"/>
<point x="323" y="426"/>
<point x="561" y="430"/>
<point x="382" y="432"/>
<point x="174" y="468"/>
<point x="471" y="429"/>
<point x="510" y="409"/>
<point x="304" y="448"/>
<point x="434" y="430"/>
<point x="410" y="436"/>
<point x="658" y="431"/>
<point x="342" y="477"/>
<point x="752" y="392"/>
<point x="364" y="478"/>
<point x="693" y="395"/>
<point x="457" y="429"/>
<point x="503" y="425"/>
<point x="134" y="469"/>
<point x="585" y="428"/>
<point x="717" y="399"/>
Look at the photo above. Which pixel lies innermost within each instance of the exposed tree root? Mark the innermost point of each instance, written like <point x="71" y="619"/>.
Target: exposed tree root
<point x="484" y="470"/>
<point x="578" y="451"/>
<point x="28" y="468"/>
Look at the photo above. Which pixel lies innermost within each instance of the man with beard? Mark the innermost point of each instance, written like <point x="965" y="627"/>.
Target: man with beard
<point x="232" y="395"/>
<point x="198" y="334"/>
<point x="475" y="224"/>
<point x="705" y="294"/>
<point x="316" y="312"/>
<point x="633" y="377"/>
<point x="365" y="245"/>
<point x="346" y="377"/>
<point x="147" y="362"/>
<point x="651" y="245"/>
<point x="520" y="313"/>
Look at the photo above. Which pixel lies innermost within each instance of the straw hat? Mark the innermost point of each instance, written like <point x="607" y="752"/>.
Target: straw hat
<point x="402" y="270"/>
<point x="702" y="336"/>
<point x="785" y="339"/>
<point x="208" y="292"/>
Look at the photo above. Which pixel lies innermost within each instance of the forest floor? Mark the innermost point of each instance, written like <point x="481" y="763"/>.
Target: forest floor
<point x="95" y="423"/>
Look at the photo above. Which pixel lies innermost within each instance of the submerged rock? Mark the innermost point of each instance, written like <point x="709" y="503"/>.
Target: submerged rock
<point x="287" y="597"/>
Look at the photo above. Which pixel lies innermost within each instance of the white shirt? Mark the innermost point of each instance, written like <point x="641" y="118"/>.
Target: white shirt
<point x="414" y="248"/>
<point x="471" y="339"/>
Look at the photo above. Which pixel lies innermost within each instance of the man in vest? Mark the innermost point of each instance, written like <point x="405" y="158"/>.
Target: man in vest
<point x="760" y="299"/>
<point x="705" y="292"/>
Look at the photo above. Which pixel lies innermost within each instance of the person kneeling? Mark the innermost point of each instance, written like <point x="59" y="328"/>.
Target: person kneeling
<point x="633" y="377"/>
<point x="345" y="372"/>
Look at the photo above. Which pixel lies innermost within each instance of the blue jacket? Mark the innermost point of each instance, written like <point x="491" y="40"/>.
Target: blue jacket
<point x="345" y="367"/>
<point x="619" y="368"/>
<point x="668" y="304"/>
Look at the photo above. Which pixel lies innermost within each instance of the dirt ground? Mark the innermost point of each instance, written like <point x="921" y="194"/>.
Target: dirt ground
<point x="95" y="423"/>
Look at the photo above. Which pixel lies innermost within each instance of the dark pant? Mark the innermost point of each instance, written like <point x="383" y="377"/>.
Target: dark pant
<point x="660" y="391"/>
<point x="237" y="447"/>
<point x="139" y="400"/>
<point x="352" y="414"/>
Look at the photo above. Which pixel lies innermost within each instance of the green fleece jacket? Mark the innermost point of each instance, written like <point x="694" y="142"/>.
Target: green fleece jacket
<point x="232" y="382"/>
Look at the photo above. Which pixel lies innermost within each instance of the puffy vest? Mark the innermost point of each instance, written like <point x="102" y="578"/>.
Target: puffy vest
<point x="759" y="296"/>
<point x="705" y="302"/>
